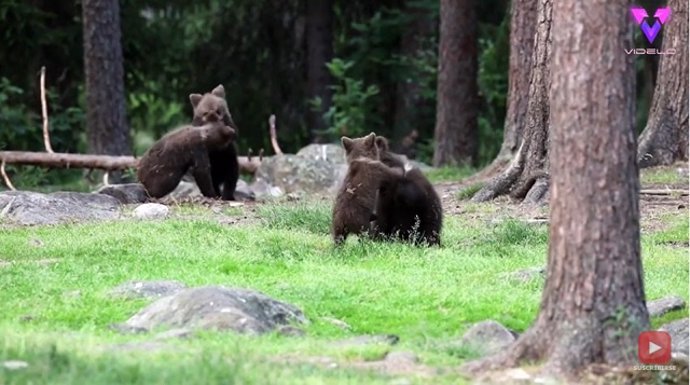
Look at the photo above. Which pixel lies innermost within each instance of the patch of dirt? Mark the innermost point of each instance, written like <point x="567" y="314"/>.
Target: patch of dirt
<point x="657" y="203"/>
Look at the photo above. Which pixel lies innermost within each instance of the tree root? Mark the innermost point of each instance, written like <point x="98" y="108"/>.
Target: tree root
<point x="528" y="347"/>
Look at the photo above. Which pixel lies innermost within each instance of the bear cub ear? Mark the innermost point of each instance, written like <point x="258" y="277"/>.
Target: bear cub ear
<point x="369" y="140"/>
<point x="347" y="144"/>
<point x="219" y="91"/>
<point x="382" y="143"/>
<point x="195" y="99"/>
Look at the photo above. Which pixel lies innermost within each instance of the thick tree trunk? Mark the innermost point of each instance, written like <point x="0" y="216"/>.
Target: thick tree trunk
<point x="455" y="134"/>
<point x="593" y="304"/>
<point x="409" y="103"/>
<point x="665" y="138"/>
<point x="526" y="176"/>
<point x="106" y="121"/>
<point x="319" y="52"/>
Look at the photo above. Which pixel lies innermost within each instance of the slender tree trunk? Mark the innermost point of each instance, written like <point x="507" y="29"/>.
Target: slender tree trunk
<point x="665" y="138"/>
<point x="409" y="103"/>
<point x="106" y="120"/>
<point x="455" y="134"/>
<point x="593" y="304"/>
<point x="526" y="176"/>
<point x="319" y="52"/>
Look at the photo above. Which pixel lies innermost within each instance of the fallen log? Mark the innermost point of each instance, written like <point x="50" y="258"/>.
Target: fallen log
<point x="90" y="161"/>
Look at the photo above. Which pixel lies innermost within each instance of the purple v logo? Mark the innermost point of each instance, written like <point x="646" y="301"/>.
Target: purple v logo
<point x="650" y="30"/>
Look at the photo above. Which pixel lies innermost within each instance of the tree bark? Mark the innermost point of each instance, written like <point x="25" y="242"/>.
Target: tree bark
<point x="100" y="162"/>
<point x="455" y="135"/>
<point x="593" y="303"/>
<point x="526" y="176"/>
<point x="106" y="121"/>
<point x="319" y="52"/>
<point x="665" y="137"/>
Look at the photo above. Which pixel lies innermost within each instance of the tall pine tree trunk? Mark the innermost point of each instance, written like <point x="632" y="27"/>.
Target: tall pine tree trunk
<point x="319" y="52"/>
<point x="523" y="23"/>
<point x="593" y="303"/>
<point x="526" y="176"/>
<point x="106" y="120"/>
<point x="665" y="138"/>
<point x="409" y="104"/>
<point x="455" y="134"/>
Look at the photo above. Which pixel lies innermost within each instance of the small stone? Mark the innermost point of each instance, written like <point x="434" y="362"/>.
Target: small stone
<point x="659" y="307"/>
<point x="488" y="337"/>
<point x="151" y="211"/>
<point x="529" y="274"/>
<point x="15" y="364"/>
<point x="35" y="242"/>
<point x="336" y="322"/>
<point x="387" y="339"/>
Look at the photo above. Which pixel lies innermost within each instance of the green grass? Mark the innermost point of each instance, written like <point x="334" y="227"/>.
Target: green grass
<point x="469" y="191"/>
<point x="662" y="175"/>
<point x="449" y="174"/>
<point x="55" y="311"/>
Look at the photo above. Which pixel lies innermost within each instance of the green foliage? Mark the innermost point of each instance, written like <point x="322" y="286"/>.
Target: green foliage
<point x="493" y="87"/>
<point x="449" y="174"/>
<point x="351" y="107"/>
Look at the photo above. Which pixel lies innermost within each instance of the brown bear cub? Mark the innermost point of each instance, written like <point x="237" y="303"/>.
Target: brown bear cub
<point x="225" y="169"/>
<point x="356" y="199"/>
<point x="184" y="149"/>
<point x="408" y="207"/>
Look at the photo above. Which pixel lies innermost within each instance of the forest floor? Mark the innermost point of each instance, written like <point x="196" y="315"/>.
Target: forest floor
<point x="56" y="310"/>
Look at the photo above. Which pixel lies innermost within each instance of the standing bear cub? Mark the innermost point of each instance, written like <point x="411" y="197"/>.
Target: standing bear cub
<point x="184" y="149"/>
<point x="408" y="207"/>
<point x="356" y="199"/>
<point x="225" y="170"/>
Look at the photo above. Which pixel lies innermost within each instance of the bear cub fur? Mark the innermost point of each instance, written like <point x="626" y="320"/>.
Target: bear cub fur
<point x="185" y="149"/>
<point x="355" y="201"/>
<point x="408" y="207"/>
<point x="225" y="170"/>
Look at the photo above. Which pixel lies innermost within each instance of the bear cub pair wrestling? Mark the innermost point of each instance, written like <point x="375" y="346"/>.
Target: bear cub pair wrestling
<point x="206" y="148"/>
<point x="381" y="197"/>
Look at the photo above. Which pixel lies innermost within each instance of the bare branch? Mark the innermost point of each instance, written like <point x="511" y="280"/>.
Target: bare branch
<point x="274" y="135"/>
<point x="7" y="180"/>
<point x="44" y="112"/>
<point x="101" y="162"/>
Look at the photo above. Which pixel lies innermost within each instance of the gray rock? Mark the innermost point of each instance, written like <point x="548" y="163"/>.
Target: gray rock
<point x="263" y="190"/>
<point x="220" y="308"/>
<point x="147" y="289"/>
<point x="293" y="173"/>
<point x="185" y="190"/>
<point x="387" y="339"/>
<point x="488" y="337"/>
<point x="151" y="211"/>
<point x="30" y="208"/>
<point x="333" y="153"/>
<point x="243" y="192"/>
<point x="679" y="335"/>
<point x="128" y="193"/>
<point x="662" y="306"/>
